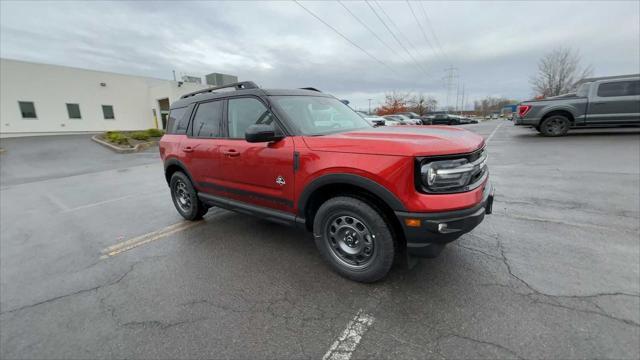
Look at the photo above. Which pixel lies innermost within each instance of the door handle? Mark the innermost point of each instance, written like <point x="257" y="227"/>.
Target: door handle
<point x="187" y="149"/>
<point x="597" y="103"/>
<point x="231" y="152"/>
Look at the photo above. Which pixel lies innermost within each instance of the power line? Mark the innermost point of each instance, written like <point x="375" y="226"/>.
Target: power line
<point x="395" y="37"/>
<point x="433" y="33"/>
<point x="344" y="37"/>
<point x="411" y="46"/>
<point x="367" y="27"/>
<point x="424" y="33"/>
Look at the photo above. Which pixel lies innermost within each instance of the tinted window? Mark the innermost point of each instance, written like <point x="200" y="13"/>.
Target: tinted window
<point x="619" y="88"/>
<point x="208" y="118"/>
<point x="107" y="111"/>
<point x="27" y="109"/>
<point x="178" y="121"/>
<point x="74" y="111"/>
<point x="244" y="112"/>
<point x="633" y="88"/>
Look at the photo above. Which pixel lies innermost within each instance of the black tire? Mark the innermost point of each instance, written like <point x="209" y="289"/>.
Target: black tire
<point x="354" y="238"/>
<point x="185" y="198"/>
<point x="555" y="125"/>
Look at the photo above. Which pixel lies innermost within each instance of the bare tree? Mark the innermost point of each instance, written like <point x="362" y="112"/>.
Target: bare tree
<point x="394" y="102"/>
<point x="491" y="104"/>
<point x="422" y="104"/>
<point x="558" y="72"/>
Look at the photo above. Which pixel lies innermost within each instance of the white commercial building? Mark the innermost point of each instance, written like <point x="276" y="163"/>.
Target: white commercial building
<point x="38" y="99"/>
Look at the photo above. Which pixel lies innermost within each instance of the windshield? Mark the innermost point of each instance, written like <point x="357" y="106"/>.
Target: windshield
<point x="315" y="115"/>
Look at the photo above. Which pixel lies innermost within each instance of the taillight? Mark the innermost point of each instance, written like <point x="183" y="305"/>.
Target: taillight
<point x="523" y="110"/>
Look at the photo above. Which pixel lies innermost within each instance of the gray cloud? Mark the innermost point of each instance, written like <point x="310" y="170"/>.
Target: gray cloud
<point x="277" y="44"/>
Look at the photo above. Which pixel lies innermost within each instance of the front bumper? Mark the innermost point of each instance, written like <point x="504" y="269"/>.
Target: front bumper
<point x="437" y="229"/>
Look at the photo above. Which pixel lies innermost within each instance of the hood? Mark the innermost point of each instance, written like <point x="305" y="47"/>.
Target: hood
<point x="399" y="141"/>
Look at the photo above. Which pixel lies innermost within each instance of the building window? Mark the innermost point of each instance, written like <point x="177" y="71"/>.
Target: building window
<point x="28" y="109"/>
<point x="107" y="111"/>
<point x="74" y="111"/>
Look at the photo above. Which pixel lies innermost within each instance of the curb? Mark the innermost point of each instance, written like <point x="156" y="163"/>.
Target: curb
<point x="120" y="150"/>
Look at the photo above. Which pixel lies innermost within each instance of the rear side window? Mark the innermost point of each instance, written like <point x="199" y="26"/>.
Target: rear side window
<point x="619" y="88"/>
<point x="178" y="121"/>
<point x="208" y="120"/>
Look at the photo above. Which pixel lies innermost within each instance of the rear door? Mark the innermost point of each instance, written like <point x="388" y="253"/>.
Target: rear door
<point x="614" y="102"/>
<point x="257" y="173"/>
<point x="201" y="148"/>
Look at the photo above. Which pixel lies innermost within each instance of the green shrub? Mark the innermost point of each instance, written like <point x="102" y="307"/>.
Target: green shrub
<point x="117" y="138"/>
<point x="155" y="132"/>
<point x="140" y="135"/>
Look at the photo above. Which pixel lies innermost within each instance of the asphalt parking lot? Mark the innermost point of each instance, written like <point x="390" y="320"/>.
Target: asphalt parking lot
<point x="96" y="263"/>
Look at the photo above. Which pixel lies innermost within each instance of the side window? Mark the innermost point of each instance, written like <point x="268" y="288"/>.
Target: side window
<point x="208" y="118"/>
<point x="177" y="123"/>
<point x="244" y="112"/>
<point x="618" y="88"/>
<point x="633" y="88"/>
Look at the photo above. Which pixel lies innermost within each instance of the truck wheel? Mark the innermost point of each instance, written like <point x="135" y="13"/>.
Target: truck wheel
<point x="354" y="238"/>
<point x="555" y="125"/>
<point x="185" y="198"/>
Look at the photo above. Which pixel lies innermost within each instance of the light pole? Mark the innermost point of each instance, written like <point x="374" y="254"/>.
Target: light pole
<point x="369" y="106"/>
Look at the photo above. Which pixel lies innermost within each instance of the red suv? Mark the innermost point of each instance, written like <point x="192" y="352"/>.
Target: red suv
<point x="370" y="195"/>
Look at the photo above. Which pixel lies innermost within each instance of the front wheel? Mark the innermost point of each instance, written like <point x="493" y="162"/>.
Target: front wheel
<point x="556" y="125"/>
<point x="354" y="238"/>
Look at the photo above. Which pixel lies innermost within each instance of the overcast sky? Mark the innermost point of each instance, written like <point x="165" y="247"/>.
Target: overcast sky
<point x="495" y="45"/>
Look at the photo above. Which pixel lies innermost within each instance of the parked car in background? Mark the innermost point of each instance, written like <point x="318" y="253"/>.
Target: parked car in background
<point x="407" y="120"/>
<point x="599" y="103"/>
<point x="445" y="119"/>
<point x="373" y="120"/>
<point x="413" y="116"/>
<point x="397" y="120"/>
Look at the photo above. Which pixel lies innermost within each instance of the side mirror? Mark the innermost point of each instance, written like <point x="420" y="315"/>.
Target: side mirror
<point x="262" y="133"/>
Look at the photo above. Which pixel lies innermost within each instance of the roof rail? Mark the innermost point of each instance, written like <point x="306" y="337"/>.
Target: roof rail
<point x="238" y="86"/>
<point x="310" y="88"/>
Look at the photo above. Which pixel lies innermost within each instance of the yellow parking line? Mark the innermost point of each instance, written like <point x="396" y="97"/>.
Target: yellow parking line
<point x="127" y="245"/>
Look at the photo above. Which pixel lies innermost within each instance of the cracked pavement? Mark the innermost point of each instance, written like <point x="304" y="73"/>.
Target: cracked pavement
<point x="553" y="273"/>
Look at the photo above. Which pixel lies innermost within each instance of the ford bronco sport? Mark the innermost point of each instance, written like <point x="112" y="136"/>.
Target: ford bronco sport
<point x="369" y="195"/>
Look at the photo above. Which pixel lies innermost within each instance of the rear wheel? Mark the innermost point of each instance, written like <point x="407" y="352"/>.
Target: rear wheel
<point x="354" y="239"/>
<point x="555" y="125"/>
<point x="185" y="198"/>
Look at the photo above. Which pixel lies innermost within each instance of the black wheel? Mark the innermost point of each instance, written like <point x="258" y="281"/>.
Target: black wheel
<point x="354" y="238"/>
<point x="555" y="125"/>
<point x="185" y="198"/>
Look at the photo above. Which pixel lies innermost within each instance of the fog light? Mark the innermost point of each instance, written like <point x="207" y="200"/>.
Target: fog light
<point x="412" y="222"/>
<point x="442" y="227"/>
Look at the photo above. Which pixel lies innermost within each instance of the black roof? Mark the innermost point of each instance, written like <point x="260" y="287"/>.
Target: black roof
<point x="244" y="88"/>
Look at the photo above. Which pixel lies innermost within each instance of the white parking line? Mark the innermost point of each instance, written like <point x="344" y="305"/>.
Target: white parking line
<point x="346" y="344"/>
<point x="493" y="132"/>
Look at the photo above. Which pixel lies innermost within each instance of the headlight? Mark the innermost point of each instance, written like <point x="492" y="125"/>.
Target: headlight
<point x="453" y="175"/>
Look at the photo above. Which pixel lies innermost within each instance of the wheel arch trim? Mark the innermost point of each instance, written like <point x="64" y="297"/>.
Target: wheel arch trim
<point x="348" y="179"/>
<point x="177" y="163"/>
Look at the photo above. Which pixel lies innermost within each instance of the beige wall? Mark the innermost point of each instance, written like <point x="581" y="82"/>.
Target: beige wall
<point x="50" y="87"/>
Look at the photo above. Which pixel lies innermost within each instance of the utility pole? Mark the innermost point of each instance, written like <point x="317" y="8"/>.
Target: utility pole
<point x="450" y="77"/>
<point x="462" y="104"/>
<point x="369" y="106"/>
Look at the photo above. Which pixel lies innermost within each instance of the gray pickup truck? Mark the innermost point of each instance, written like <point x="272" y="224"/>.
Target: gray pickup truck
<point x="604" y="102"/>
